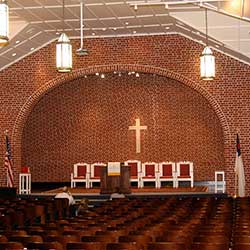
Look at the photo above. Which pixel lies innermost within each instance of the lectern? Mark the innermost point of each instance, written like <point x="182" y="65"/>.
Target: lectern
<point x="118" y="178"/>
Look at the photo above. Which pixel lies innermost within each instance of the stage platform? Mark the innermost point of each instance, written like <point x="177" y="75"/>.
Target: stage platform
<point x="137" y="191"/>
<point x="146" y="192"/>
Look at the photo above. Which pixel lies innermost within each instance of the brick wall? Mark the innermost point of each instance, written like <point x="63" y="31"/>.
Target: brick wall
<point x="59" y="117"/>
<point x="88" y="119"/>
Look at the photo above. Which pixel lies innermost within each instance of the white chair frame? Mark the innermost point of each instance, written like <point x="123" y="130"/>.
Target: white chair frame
<point x="92" y="179"/>
<point x="219" y="185"/>
<point x="191" y="173"/>
<point x="77" y="179"/>
<point x="139" y="172"/>
<point x="172" y="178"/>
<point x="150" y="179"/>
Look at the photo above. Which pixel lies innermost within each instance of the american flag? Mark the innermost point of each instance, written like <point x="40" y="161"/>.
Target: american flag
<point x="8" y="164"/>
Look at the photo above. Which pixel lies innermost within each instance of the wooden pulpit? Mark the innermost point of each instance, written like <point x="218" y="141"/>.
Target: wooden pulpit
<point x="109" y="183"/>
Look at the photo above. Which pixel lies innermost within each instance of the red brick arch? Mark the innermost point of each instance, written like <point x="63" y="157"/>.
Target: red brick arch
<point x="36" y="96"/>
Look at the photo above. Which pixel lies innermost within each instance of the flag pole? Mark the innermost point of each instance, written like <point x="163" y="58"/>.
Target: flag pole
<point x="6" y="134"/>
<point x="235" y="185"/>
<point x="235" y="174"/>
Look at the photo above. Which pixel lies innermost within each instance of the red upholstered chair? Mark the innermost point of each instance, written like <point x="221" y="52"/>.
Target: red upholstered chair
<point x="135" y="171"/>
<point x="185" y="172"/>
<point x="80" y="173"/>
<point x="150" y="173"/>
<point x="95" y="173"/>
<point x="167" y="172"/>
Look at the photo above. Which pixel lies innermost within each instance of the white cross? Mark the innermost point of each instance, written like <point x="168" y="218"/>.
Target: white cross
<point x="138" y="129"/>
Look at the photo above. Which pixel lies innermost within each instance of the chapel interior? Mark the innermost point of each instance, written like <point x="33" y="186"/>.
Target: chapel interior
<point x="125" y="124"/>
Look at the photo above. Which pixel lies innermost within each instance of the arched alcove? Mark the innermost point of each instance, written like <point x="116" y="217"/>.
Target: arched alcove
<point x="87" y="119"/>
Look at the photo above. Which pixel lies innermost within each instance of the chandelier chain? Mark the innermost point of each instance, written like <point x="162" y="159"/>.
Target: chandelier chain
<point x="63" y="15"/>
<point x="206" y="27"/>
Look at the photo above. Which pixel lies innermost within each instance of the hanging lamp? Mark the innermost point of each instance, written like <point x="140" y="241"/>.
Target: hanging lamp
<point x="63" y="51"/>
<point x="4" y="23"/>
<point x="81" y="51"/>
<point x="207" y="60"/>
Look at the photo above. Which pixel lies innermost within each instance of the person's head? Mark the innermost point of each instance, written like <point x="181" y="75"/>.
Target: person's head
<point x="65" y="189"/>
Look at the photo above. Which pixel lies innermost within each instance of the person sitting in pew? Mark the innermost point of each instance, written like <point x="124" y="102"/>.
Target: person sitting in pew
<point x="83" y="207"/>
<point x="117" y="194"/>
<point x="66" y="194"/>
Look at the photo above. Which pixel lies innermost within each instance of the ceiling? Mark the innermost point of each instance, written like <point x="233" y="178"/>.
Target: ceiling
<point x="35" y="23"/>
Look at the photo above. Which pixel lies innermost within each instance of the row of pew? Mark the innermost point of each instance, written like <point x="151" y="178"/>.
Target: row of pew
<point x="172" y="223"/>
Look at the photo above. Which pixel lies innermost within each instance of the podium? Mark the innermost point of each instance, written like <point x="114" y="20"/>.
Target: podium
<point x="110" y="182"/>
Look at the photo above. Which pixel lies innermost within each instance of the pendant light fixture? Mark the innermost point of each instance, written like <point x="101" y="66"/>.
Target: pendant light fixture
<point x="63" y="51"/>
<point x="4" y="23"/>
<point x="81" y="51"/>
<point x="207" y="60"/>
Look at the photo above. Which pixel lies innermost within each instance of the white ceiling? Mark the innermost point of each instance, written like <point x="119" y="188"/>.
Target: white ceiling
<point x="35" y="23"/>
